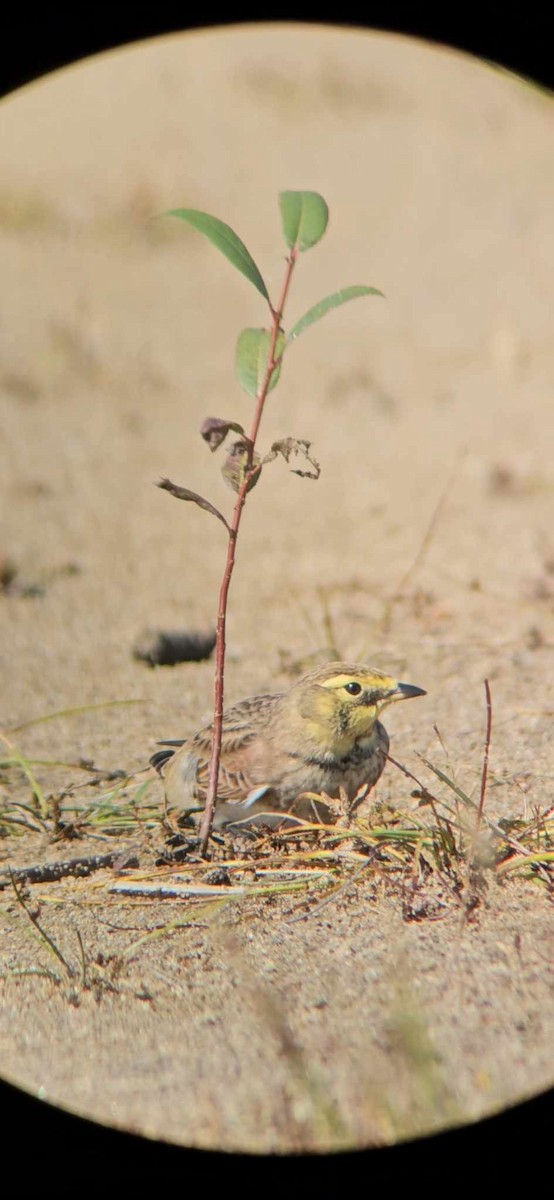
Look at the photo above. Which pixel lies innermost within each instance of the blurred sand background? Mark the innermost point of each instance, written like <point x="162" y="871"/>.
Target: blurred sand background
<point x="428" y="538"/>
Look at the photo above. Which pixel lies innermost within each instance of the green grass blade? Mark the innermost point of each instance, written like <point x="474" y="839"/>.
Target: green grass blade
<point x="18" y="759"/>
<point x="197" y="914"/>
<point x="450" y="783"/>
<point x="71" y="712"/>
<point x="518" y="862"/>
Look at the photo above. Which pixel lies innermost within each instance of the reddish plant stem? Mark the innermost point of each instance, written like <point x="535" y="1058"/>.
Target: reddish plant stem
<point x="219" y="688"/>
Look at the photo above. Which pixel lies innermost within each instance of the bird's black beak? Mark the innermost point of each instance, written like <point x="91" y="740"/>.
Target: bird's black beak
<point x="405" y="691"/>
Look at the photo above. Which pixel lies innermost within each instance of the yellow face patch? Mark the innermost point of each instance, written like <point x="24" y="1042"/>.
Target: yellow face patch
<point x="369" y="683"/>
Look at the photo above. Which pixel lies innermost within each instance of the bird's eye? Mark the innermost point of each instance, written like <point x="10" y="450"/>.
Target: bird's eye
<point x="353" y="689"/>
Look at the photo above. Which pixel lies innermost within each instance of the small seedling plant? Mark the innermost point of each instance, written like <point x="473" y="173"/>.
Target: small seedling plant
<point x="258" y="360"/>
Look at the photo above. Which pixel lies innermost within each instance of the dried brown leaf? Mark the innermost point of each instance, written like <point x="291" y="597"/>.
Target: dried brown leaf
<point x="290" y="446"/>
<point x="182" y="493"/>
<point x="235" y="466"/>
<point x="214" y="430"/>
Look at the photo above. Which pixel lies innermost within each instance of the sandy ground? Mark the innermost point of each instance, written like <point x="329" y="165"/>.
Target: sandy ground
<point x="425" y="548"/>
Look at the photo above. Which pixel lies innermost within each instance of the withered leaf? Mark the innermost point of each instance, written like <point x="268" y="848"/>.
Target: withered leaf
<point x="236" y="465"/>
<point x="214" y="430"/>
<point x="290" y="446"/>
<point x="182" y="493"/>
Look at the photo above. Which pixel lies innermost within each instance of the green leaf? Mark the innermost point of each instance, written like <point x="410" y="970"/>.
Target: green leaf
<point x="226" y="240"/>
<point x="324" y="306"/>
<point x="252" y="357"/>
<point x="304" y="216"/>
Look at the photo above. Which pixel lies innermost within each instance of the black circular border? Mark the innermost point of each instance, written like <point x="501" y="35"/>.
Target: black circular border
<point x="69" y="1153"/>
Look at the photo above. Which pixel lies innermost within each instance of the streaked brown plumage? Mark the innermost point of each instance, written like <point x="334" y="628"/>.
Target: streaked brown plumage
<point x="322" y="735"/>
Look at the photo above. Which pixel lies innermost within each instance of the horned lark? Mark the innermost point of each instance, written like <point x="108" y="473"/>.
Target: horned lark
<point x="321" y="736"/>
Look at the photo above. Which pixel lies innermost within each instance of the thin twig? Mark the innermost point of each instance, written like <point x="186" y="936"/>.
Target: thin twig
<point x="84" y="970"/>
<point x="426" y="794"/>
<point x="422" y="550"/>
<point x="508" y="838"/>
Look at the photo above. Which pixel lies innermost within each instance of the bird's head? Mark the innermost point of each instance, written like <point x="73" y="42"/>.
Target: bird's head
<point x="341" y="702"/>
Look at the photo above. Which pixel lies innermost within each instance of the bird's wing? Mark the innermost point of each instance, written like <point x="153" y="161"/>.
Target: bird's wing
<point x="233" y="782"/>
<point x="242" y="725"/>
